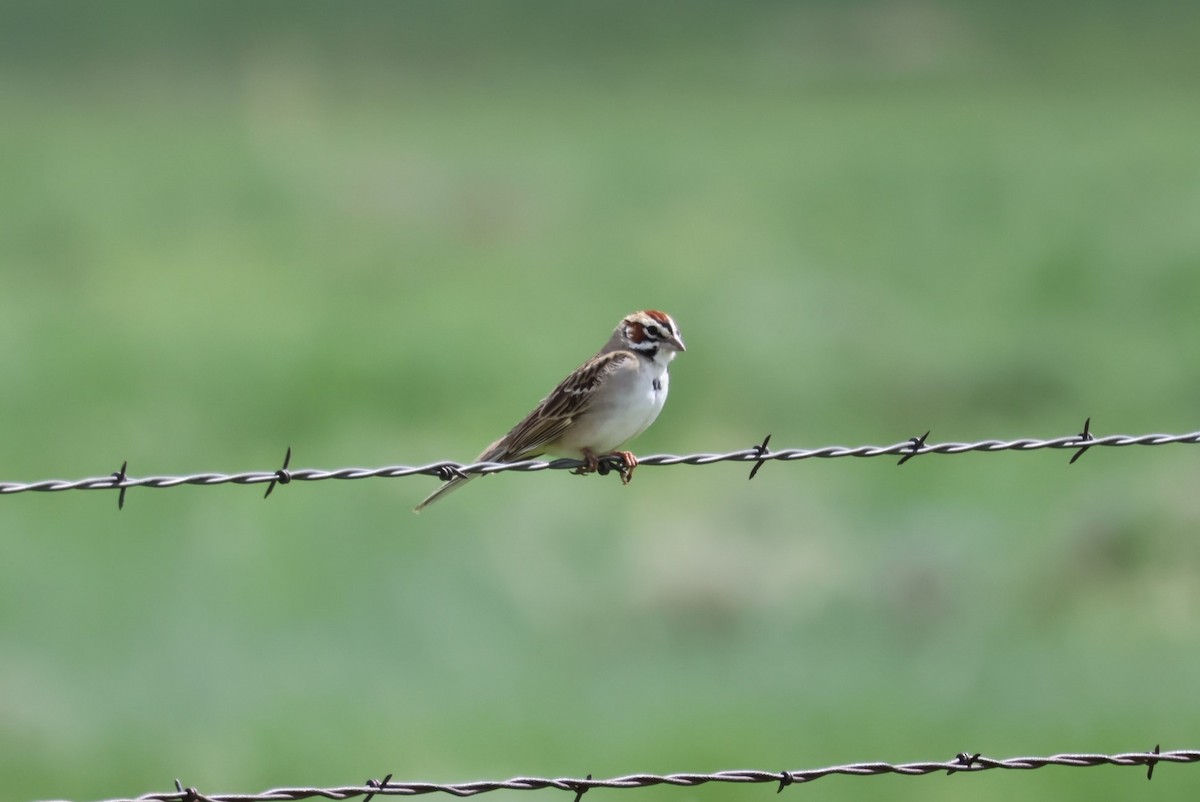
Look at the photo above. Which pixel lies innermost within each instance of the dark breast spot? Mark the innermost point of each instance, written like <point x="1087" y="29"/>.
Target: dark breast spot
<point x="657" y="385"/>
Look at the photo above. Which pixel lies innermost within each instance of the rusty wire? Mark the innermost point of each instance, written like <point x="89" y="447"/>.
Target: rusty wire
<point x="758" y="454"/>
<point x="963" y="763"/>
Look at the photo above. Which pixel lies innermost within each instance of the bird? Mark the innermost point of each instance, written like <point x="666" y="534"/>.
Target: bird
<point x="605" y="402"/>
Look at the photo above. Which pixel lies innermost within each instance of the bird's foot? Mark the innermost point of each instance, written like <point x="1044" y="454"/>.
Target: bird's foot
<point x="591" y="464"/>
<point x="595" y="464"/>
<point x="628" y="463"/>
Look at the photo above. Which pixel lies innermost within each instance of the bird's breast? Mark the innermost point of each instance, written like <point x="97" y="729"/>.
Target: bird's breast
<point x="623" y="410"/>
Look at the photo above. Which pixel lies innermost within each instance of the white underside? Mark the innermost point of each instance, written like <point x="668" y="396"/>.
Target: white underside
<point x="628" y="406"/>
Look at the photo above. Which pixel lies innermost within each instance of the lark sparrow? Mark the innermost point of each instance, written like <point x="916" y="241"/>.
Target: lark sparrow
<point x="606" y="401"/>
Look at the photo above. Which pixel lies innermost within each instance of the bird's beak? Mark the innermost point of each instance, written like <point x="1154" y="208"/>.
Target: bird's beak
<point x="676" y="343"/>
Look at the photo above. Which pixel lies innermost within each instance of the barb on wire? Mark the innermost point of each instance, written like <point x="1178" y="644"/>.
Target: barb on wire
<point x="119" y="478"/>
<point x="582" y="789"/>
<point x="757" y="454"/>
<point x="188" y="794"/>
<point x="1086" y="437"/>
<point x="377" y="785"/>
<point x="915" y="445"/>
<point x="763" y="451"/>
<point x="283" y="475"/>
<point x="963" y="763"/>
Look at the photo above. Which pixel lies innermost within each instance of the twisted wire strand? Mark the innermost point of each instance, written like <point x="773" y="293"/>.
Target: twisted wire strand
<point x="442" y="469"/>
<point x="961" y="764"/>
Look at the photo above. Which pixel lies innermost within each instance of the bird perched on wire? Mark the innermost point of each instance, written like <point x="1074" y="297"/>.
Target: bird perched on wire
<point x="605" y="402"/>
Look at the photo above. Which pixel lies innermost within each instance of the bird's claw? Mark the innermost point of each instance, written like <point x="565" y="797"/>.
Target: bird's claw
<point x="628" y="463"/>
<point x="595" y="464"/>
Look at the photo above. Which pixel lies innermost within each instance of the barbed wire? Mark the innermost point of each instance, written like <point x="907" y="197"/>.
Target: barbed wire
<point x="759" y="455"/>
<point x="963" y="763"/>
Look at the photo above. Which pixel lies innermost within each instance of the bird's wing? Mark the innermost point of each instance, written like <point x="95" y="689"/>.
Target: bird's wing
<point x="557" y="411"/>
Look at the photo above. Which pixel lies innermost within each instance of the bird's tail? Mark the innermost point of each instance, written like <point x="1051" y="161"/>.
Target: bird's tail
<point x="448" y="487"/>
<point x="493" y="453"/>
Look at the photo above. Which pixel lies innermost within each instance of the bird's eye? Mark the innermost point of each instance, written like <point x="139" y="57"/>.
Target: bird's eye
<point x="652" y="331"/>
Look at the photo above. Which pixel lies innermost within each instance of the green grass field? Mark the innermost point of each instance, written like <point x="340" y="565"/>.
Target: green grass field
<point x="379" y="234"/>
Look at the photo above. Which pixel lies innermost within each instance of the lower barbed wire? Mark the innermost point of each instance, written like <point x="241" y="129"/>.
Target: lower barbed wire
<point x="757" y="454"/>
<point x="963" y="763"/>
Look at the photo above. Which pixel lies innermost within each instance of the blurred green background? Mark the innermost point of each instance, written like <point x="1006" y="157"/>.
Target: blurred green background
<point x="379" y="232"/>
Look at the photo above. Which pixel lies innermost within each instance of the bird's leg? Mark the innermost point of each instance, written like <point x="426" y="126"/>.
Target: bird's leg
<point x="628" y="463"/>
<point x="591" y="463"/>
